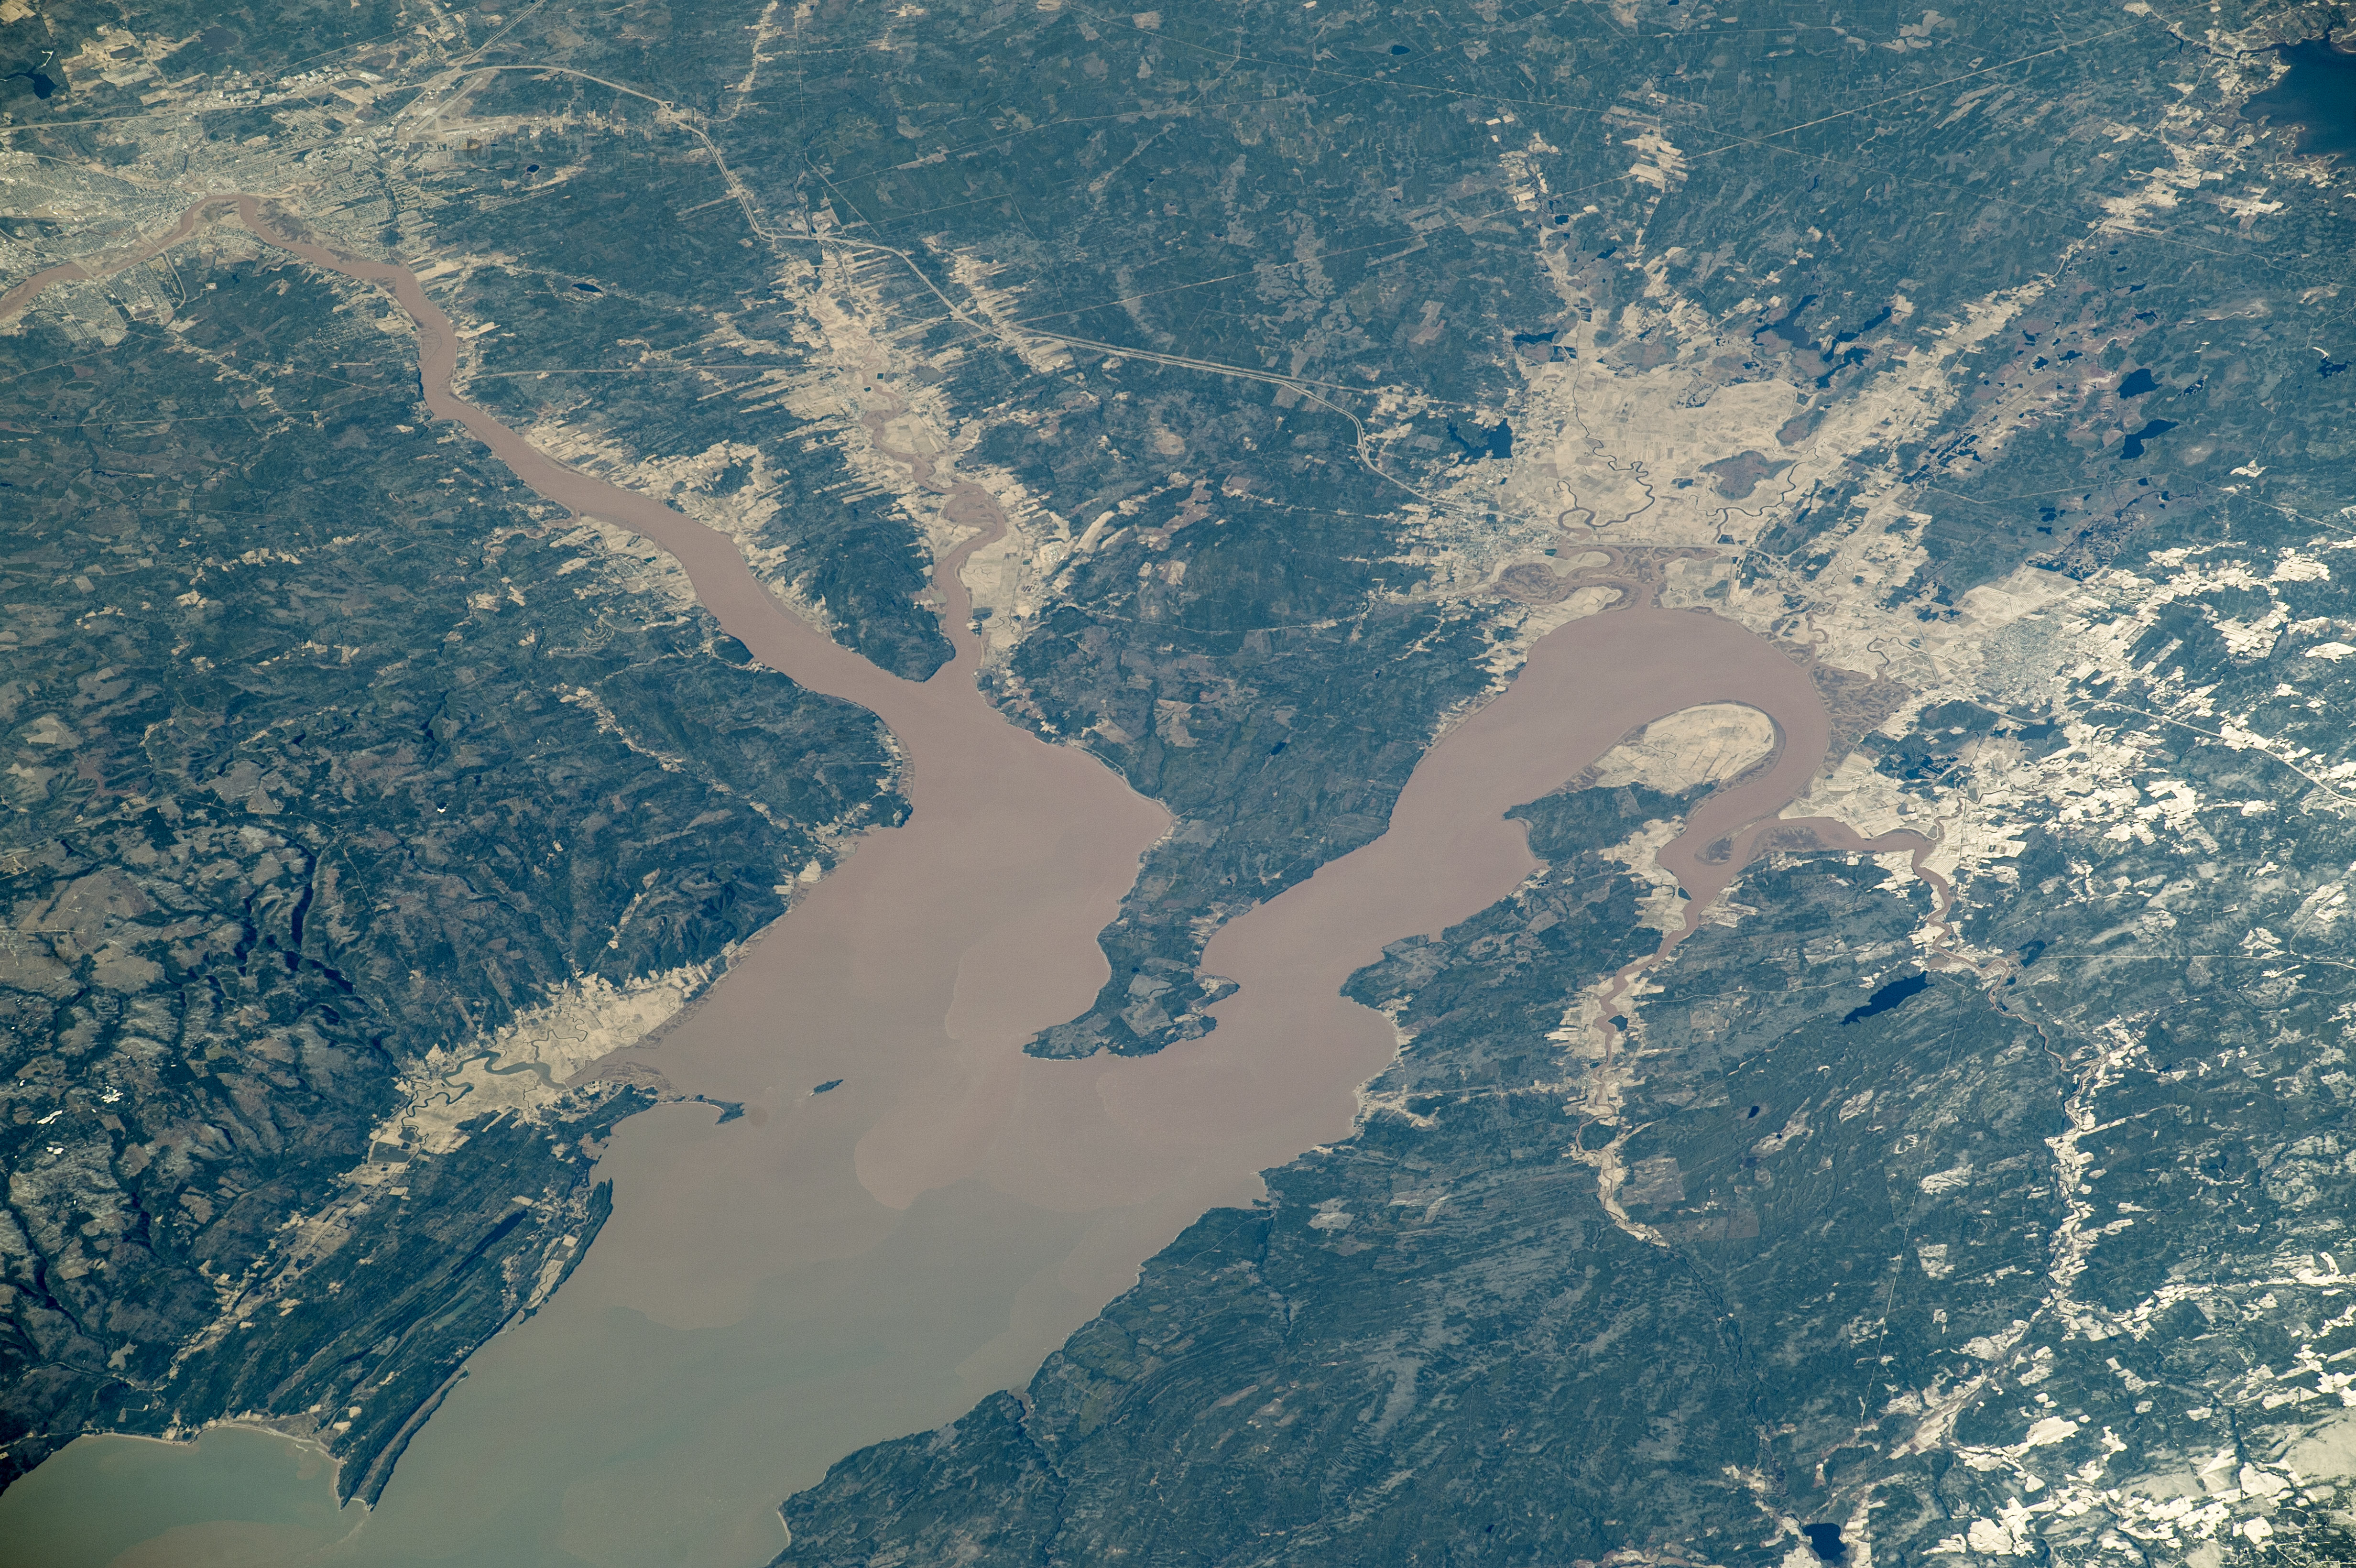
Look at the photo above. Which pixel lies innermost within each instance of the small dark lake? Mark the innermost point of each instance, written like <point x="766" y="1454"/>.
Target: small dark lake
<point x="1889" y="996"/>
<point x="2318" y="96"/>
<point x="2152" y="429"/>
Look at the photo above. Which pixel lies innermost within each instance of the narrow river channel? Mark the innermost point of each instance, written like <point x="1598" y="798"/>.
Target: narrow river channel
<point x="832" y="1270"/>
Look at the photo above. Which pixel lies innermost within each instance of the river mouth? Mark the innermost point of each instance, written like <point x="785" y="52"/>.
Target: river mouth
<point x="2318" y="96"/>
<point x="827" y="1270"/>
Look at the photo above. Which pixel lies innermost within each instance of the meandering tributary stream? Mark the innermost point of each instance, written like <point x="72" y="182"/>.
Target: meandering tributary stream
<point x="830" y="1270"/>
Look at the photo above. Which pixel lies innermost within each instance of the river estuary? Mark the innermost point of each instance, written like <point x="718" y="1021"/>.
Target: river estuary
<point x="834" y="1269"/>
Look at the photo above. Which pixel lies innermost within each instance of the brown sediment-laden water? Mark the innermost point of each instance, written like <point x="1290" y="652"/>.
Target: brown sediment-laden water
<point x="833" y="1269"/>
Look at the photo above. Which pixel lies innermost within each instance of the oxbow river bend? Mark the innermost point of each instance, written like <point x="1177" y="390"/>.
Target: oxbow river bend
<point x="830" y="1270"/>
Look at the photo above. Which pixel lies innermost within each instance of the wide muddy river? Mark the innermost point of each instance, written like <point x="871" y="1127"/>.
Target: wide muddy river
<point x="832" y="1270"/>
